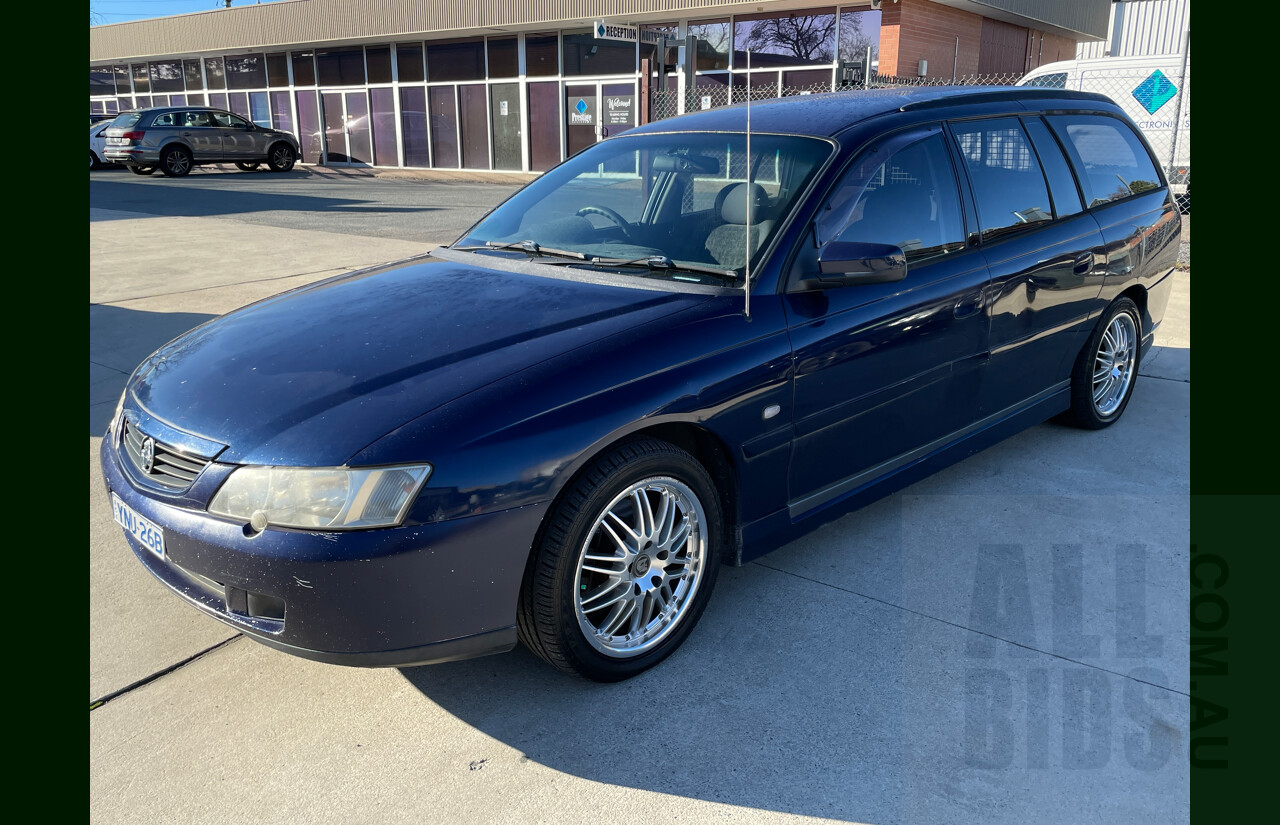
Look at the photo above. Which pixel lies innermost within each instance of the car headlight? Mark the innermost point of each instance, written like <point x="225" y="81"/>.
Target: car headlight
<point x="115" y="416"/>
<point x="327" y="498"/>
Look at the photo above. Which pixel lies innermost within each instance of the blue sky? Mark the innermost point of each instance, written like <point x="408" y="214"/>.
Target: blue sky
<point x="122" y="11"/>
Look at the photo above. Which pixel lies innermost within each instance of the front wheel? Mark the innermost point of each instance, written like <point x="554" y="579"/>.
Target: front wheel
<point x="625" y="565"/>
<point x="281" y="158"/>
<point x="1107" y="368"/>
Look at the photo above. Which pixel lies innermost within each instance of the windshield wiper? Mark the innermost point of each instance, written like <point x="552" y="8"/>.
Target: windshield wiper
<point x="530" y="247"/>
<point x="662" y="262"/>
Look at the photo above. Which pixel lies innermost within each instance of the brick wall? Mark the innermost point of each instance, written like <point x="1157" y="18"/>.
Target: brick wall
<point x="915" y="30"/>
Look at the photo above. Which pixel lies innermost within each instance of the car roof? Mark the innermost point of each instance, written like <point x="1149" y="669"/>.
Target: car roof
<point x="191" y="108"/>
<point x="825" y="115"/>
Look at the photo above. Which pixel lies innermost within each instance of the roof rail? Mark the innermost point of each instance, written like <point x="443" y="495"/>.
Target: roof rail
<point x="1016" y="93"/>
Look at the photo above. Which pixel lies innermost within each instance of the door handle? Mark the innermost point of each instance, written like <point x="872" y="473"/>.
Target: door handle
<point x="1083" y="264"/>
<point x="969" y="305"/>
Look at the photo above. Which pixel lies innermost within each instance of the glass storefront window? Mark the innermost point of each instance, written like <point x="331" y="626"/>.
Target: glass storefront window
<point x="194" y="77"/>
<point x="383" y="114"/>
<point x="278" y="69"/>
<point x="413" y="125"/>
<point x="860" y="30"/>
<point x="214" y="73"/>
<point x="343" y="67"/>
<point x="141" y="79"/>
<point x="304" y="69"/>
<point x="122" y="80"/>
<point x="456" y="59"/>
<point x="238" y="102"/>
<point x="585" y="55"/>
<point x="503" y="60"/>
<point x="378" y="61"/>
<point x="102" y="81"/>
<point x="797" y="38"/>
<point x="714" y="41"/>
<point x="246" y="72"/>
<point x="310" y="138"/>
<point x="541" y="54"/>
<point x="473" y="126"/>
<point x="259" y="110"/>
<point x="281" y="112"/>
<point x="649" y="50"/>
<point x="166" y="77"/>
<point x="444" y="126"/>
<point x="409" y="64"/>
<point x="218" y="100"/>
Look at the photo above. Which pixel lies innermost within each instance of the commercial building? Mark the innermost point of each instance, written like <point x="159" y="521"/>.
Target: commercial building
<point x="520" y="84"/>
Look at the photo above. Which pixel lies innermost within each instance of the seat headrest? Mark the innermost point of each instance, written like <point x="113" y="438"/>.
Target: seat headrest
<point x="734" y="207"/>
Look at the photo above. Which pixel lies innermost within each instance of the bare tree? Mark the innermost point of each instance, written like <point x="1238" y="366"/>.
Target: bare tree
<point x="808" y="37"/>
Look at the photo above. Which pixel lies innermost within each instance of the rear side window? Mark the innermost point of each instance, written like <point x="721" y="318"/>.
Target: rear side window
<point x="165" y="119"/>
<point x="908" y="199"/>
<point x="196" y="119"/>
<point x="1111" y="161"/>
<point x="1005" y="174"/>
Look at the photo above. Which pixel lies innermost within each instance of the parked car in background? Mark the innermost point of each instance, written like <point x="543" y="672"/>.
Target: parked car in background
<point x="1153" y="90"/>
<point x="97" y="143"/>
<point x="174" y="139"/>
<point x="666" y="353"/>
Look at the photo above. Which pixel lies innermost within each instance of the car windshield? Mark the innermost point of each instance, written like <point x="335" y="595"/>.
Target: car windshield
<point x="657" y="205"/>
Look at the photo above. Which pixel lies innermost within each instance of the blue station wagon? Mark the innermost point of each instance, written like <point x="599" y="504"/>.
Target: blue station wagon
<point x="680" y="348"/>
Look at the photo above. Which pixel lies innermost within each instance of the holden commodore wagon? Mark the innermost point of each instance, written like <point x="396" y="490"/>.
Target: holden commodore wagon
<point x="670" y="352"/>
<point x="174" y="139"/>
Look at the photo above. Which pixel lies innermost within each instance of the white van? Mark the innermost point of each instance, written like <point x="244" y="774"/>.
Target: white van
<point x="1151" y="89"/>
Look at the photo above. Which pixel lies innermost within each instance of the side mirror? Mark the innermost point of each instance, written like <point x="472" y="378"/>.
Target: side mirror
<point x="850" y="263"/>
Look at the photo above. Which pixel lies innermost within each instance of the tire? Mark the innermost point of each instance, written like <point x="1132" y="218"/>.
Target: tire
<point x="93" y="160"/>
<point x="247" y="167"/>
<point x="281" y="157"/>
<point x="574" y="616"/>
<point x="175" y="162"/>
<point x="1106" y="370"/>
<point x="142" y="170"/>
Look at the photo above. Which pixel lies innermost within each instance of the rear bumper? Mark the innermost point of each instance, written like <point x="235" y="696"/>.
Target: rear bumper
<point x="131" y="155"/>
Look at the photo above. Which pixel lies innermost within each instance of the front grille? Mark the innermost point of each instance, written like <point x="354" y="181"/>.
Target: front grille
<point x="170" y="468"/>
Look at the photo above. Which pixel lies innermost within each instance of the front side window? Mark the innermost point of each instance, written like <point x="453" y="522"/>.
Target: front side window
<point x="903" y="193"/>
<point x="228" y="120"/>
<point x="1005" y="175"/>
<point x="684" y="199"/>
<point x="1111" y="161"/>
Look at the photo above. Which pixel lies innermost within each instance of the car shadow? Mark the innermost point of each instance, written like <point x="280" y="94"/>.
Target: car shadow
<point x="761" y="707"/>
<point x="119" y="339"/>
<point x="174" y="198"/>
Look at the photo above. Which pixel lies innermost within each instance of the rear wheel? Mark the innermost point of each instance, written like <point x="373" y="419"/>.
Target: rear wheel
<point x="142" y="170"/>
<point x="281" y="158"/>
<point x="1107" y="368"/>
<point x="247" y="167"/>
<point x="93" y="160"/>
<point x="175" y="162"/>
<point x="625" y="565"/>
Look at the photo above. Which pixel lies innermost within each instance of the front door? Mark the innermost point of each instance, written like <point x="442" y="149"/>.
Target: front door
<point x="346" y="129"/>
<point x="597" y="110"/>
<point x="886" y="373"/>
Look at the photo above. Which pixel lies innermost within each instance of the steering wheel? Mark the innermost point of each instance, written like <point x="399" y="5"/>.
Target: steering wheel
<point x="614" y="217"/>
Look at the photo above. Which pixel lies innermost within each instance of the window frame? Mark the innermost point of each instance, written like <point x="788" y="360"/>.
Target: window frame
<point x="1077" y="163"/>
<point x="978" y="237"/>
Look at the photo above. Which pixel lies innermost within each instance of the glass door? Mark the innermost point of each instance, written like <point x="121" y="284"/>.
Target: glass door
<point x="596" y="110"/>
<point x="346" y="128"/>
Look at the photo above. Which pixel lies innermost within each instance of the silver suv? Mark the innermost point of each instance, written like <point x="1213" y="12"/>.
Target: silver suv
<point x="173" y="139"/>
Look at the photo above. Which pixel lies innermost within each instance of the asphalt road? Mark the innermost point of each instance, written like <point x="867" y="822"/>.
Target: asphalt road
<point x="1006" y="641"/>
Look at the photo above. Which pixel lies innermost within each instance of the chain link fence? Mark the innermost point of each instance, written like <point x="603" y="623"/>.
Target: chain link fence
<point x="1157" y="102"/>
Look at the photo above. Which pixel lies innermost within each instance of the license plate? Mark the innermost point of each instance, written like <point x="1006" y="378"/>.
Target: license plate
<point x="116" y="141"/>
<point x="144" y="530"/>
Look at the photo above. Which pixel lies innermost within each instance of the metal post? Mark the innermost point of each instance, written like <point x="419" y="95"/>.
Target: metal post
<point x="1182" y="93"/>
<point x="866" y="70"/>
<point x="955" y="61"/>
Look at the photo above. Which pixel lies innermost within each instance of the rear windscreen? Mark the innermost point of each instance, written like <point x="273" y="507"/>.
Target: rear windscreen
<point x="126" y="120"/>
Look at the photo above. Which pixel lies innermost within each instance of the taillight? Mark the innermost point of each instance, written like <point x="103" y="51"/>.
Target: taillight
<point x="133" y="135"/>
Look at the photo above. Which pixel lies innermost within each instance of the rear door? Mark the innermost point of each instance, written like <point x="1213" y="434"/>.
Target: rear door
<point x="886" y="373"/>
<point x="1044" y="251"/>
<point x="201" y="135"/>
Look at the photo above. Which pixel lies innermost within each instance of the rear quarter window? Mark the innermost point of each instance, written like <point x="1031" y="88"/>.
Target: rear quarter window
<point x="1110" y="159"/>
<point x="125" y="120"/>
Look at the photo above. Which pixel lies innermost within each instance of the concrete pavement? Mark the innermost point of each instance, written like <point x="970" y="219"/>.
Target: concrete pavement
<point x="1005" y="641"/>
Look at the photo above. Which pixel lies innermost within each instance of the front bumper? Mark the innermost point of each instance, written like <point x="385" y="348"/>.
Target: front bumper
<point x="375" y="598"/>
